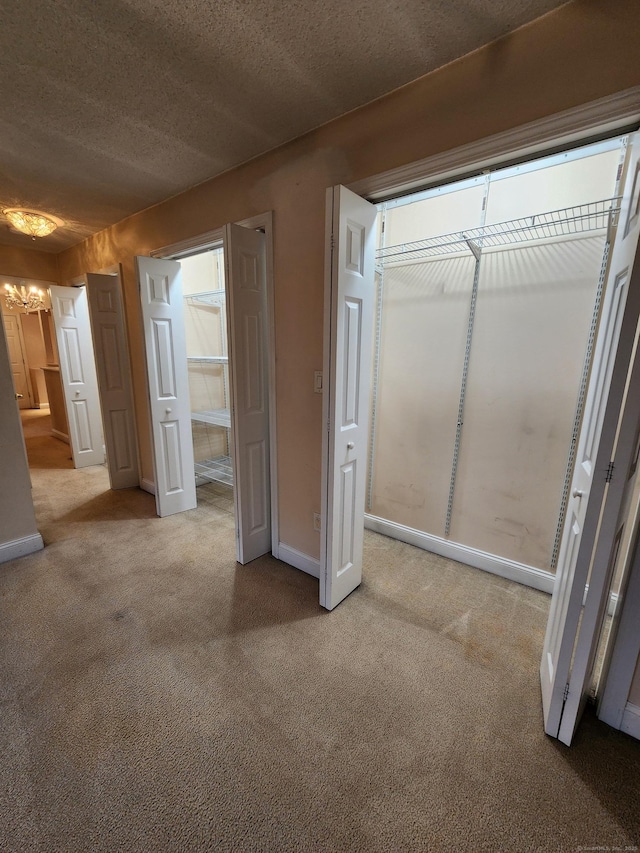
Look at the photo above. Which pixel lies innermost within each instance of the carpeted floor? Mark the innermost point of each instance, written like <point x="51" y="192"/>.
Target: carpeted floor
<point x="155" y="696"/>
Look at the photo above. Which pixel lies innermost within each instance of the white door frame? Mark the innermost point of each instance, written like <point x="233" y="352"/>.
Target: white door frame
<point x="626" y="641"/>
<point x="615" y="698"/>
<point x="23" y="355"/>
<point x="214" y="238"/>
<point x="586" y="123"/>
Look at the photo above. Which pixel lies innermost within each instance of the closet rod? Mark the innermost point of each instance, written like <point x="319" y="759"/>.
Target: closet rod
<point x="565" y="222"/>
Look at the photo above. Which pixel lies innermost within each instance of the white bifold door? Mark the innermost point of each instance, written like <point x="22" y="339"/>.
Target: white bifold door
<point x="114" y="378"/>
<point x="162" y="313"/>
<point x="604" y="456"/>
<point x="78" y="374"/>
<point x="348" y="341"/>
<point x="245" y="261"/>
<point x="162" y="309"/>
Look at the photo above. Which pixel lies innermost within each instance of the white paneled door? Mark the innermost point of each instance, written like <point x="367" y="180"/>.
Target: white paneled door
<point x="604" y="454"/>
<point x="163" y="318"/>
<point x="245" y="259"/>
<point x="161" y="296"/>
<point x="78" y="374"/>
<point x="349" y="305"/>
<point x="114" y="378"/>
<point x="15" y="342"/>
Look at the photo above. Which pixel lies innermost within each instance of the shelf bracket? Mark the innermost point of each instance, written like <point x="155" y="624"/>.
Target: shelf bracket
<point x="474" y="248"/>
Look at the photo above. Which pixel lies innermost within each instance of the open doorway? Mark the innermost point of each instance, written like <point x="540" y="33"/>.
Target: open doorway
<point x="71" y="370"/>
<point x="208" y="340"/>
<point x="207" y="353"/>
<point x="33" y="354"/>
<point x="606" y="420"/>
<point x="488" y="299"/>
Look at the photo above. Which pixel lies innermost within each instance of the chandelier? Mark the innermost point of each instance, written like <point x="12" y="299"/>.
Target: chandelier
<point x="27" y="300"/>
<point x="31" y="222"/>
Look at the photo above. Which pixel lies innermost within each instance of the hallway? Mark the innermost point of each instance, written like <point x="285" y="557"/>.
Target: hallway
<point x="156" y="696"/>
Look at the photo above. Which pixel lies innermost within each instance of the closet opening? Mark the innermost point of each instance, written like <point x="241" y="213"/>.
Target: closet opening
<point x="206" y="309"/>
<point x="74" y="377"/>
<point x="207" y="352"/>
<point x="33" y="354"/>
<point x="488" y="296"/>
<point x="31" y="342"/>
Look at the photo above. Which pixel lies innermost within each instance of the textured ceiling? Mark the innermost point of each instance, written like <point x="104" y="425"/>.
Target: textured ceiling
<point x="109" y="106"/>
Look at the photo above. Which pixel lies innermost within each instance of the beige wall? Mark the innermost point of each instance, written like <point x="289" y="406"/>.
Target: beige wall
<point x="17" y="519"/>
<point x="25" y="263"/>
<point x="541" y="69"/>
<point x="533" y="313"/>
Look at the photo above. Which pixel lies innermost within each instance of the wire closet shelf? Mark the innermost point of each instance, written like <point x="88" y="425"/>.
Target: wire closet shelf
<point x="566" y="222"/>
<point x="207" y="297"/>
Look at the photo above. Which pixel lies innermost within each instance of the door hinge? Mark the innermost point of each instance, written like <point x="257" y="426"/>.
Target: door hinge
<point x="609" y="475"/>
<point x="332" y="242"/>
<point x="565" y="695"/>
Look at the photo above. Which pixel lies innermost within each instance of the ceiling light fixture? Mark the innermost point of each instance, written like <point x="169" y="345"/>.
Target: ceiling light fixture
<point x="31" y="222"/>
<point x="27" y="300"/>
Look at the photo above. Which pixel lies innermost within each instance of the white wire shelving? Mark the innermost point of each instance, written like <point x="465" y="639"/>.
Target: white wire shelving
<point x="207" y="297"/>
<point x="566" y="222"/>
<point x="209" y="466"/>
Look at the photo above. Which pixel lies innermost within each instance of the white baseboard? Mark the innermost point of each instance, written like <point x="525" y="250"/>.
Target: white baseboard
<point x="148" y="486"/>
<point x="20" y="547"/>
<point x="631" y="720"/>
<point x="299" y="560"/>
<point x="61" y="435"/>
<point x="509" y="569"/>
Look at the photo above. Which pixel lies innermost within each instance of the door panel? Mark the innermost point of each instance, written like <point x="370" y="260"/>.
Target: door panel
<point x="245" y="258"/>
<point x="590" y="527"/>
<point x="18" y="360"/>
<point x="611" y="531"/>
<point x="114" y="378"/>
<point x="349" y="301"/>
<point x="166" y="357"/>
<point x="623" y="645"/>
<point x="78" y="374"/>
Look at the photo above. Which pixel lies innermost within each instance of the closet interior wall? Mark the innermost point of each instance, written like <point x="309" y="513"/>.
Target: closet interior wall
<point x="203" y="284"/>
<point x="482" y="338"/>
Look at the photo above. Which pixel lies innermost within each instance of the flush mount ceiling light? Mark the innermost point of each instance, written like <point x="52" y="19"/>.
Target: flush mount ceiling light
<point x="31" y="222"/>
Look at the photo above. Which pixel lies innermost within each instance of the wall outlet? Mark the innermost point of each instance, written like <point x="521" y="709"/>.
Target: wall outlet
<point x="317" y="381"/>
<point x="316" y="521"/>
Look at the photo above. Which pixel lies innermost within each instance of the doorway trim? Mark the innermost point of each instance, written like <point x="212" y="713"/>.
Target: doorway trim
<point x="615" y="708"/>
<point x="577" y="126"/>
<point x="214" y="238"/>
